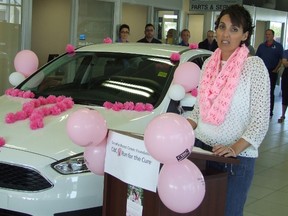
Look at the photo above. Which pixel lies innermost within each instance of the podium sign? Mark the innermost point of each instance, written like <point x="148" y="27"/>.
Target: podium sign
<point x="128" y="160"/>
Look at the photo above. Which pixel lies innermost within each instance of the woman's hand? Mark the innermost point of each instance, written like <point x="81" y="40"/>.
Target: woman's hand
<point x="225" y="151"/>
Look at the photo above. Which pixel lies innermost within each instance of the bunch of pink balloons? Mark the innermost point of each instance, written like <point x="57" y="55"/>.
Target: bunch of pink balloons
<point x="186" y="78"/>
<point x="169" y="138"/>
<point x="87" y="128"/>
<point x="26" y="63"/>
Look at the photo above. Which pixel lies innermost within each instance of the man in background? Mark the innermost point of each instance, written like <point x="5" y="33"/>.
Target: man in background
<point x="271" y="52"/>
<point x="185" y="36"/>
<point x="149" y="35"/>
<point x="209" y="43"/>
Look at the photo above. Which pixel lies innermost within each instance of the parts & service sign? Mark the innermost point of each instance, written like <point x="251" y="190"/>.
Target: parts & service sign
<point x="212" y="5"/>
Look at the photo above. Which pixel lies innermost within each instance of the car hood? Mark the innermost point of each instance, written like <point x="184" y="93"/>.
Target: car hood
<point x="52" y="140"/>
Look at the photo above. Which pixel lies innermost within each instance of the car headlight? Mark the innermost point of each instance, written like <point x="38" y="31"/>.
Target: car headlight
<point x="72" y="165"/>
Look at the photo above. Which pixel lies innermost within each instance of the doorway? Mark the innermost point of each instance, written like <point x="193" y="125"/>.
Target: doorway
<point x="195" y="26"/>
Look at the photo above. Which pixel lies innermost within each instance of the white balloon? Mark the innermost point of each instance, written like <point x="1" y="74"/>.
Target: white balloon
<point x="176" y="92"/>
<point x="16" y="78"/>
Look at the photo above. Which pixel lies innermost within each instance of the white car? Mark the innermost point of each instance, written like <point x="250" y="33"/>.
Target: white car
<point x="42" y="172"/>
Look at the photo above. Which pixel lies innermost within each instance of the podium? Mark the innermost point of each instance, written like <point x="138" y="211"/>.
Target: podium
<point x="115" y="192"/>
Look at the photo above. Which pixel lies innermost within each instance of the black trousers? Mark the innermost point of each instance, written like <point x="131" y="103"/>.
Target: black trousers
<point x="284" y="87"/>
<point x="273" y="80"/>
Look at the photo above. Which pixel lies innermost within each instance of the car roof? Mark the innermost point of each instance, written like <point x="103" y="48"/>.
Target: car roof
<point x="159" y="50"/>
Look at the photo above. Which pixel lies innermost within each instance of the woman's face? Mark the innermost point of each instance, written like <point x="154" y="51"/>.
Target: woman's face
<point x="185" y="36"/>
<point x="229" y="36"/>
<point x="124" y="34"/>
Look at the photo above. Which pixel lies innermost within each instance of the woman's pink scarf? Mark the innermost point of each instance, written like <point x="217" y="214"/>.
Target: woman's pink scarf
<point x="217" y="88"/>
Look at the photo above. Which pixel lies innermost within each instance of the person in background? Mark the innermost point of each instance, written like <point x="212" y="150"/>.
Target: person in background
<point x="231" y="113"/>
<point x="124" y="31"/>
<point x="149" y="35"/>
<point x="209" y="43"/>
<point x="185" y="36"/>
<point x="171" y="37"/>
<point x="271" y="53"/>
<point x="284" y="86"/>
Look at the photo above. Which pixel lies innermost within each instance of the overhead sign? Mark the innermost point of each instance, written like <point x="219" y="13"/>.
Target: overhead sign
<point x="212" y="5"/>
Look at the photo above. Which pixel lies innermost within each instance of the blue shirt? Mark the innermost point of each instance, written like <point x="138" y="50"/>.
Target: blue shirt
<point x="183" y="44"/>
<point x="270" y="54"/>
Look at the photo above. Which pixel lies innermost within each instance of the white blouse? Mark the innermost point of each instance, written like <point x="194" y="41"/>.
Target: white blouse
<point x="248" y="115"/>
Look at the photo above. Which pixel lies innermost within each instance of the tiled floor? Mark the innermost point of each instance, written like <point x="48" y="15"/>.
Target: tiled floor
<point x="268" y="195"/>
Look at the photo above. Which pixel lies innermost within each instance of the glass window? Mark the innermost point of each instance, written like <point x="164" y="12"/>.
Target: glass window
<point x="277" y="28"/>
<point x="10" y="28"/>
<point x="95" y="21"/>
<point x="93" y="78"/>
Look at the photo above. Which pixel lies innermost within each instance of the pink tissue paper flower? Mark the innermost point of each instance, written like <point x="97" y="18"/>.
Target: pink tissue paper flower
<point x="129" y="105"/>
<point x="70" y="49"/>
<point x="194" y="92"/>
<point x="117" y="106"/>
<point x="193" y="46"/>
<point x="149" y="107"/>
<point x="107" y="40"/>
<point x="139" y="107"/>
<point x="36" y="124"/>
<point x="175" y="57"/>
<point x="108" y="105"/>
<point x="10" y="118"/>
<point x="2" y="141"/>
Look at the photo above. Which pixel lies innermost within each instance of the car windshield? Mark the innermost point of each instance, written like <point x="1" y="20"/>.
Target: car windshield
<point x="93" y="78"/>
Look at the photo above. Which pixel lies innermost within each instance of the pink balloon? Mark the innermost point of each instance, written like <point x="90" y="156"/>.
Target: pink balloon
<point x="26" y="62"/>
<point x="86" y="127"/>
<point x="169" y="138"/>
<point x="181" y="186"/>
<point x="94" y="156"/>
<point x="187" y="74"/>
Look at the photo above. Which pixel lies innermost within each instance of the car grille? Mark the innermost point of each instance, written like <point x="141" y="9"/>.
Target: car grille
<point x="22" y="178"/>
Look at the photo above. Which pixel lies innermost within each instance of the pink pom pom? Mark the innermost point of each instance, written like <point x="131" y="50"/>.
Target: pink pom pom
<point x="68" y="102"/>
<point x="129" y="105"/>
<point x="21" y="115"/>
<point x="149" y="107"/>
<point x="55" y="110"/>
<point x="37" y="103"/>
<point x="194" y="92"/>
<point x="117" y="106"/>
<point x="46" y="111"/>
<point x="8" y="91"/>
<point x="139" y="107"/>
<point x="175" y="57"/>
<point x="37" y="114"/>
<point x="70" y="49"/>
<point x="2" y="141"/>
<point x="51" y="99"/>
<point x="108" y="105"/>
<point x="15" y="92"/>
<point x="61" y="106"/>
<point x="42" y="100"/>
<point x="193" y="46"/>
<point x="60" y="98"/>
<point x="28" y="108"/>
<point x="10" y="118"/>
<point x="36" y="124"/>
<point x="28" y="94"/>
<point x="107" y="40"/>
<point x="20" y="94"/>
